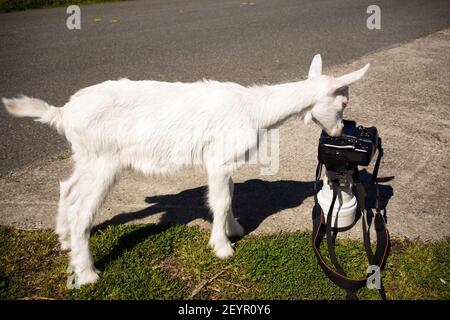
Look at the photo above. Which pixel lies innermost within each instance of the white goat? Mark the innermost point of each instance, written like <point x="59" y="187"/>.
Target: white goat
<point x="158" y="127"/>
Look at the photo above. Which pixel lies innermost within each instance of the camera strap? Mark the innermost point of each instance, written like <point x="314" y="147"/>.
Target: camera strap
<point x="322" y="227"/>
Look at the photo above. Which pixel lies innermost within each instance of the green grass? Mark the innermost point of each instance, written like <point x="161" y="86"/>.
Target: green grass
<point x="151" y="262"/>
<point x="16" y="5"/>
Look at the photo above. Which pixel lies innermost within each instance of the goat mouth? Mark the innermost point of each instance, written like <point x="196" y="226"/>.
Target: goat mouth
<point x="334" y="134"/>
<point x="336" y="131"/>
<point x="331" y="133"/>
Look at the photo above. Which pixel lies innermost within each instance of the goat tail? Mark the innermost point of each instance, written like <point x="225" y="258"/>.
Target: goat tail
<point x="24" y="106"/>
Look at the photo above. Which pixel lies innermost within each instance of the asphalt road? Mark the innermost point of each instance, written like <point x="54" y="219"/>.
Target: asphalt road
<point x="184" y="40"/>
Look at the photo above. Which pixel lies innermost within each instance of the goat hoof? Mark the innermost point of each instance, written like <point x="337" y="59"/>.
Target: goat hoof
<point x="87" y="277"/>
<point x="224" y="251"/>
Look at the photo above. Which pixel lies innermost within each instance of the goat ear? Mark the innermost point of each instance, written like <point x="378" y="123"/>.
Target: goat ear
<point x="349" y="78"/>
<point x="307" y="118"/>
<point x="316" y="67"/>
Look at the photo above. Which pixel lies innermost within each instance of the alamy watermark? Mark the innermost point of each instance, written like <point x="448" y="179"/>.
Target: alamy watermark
<point x="72" y="279"/>
<point x="73" y="22"/>
<point x="374" y="280"/>
<point x="374" y="20"/>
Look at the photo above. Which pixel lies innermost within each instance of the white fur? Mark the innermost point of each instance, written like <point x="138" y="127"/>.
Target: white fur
<point x="159" y="127"/>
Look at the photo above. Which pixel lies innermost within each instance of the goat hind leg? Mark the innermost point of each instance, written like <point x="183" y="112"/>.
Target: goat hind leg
<point x="86" y="197"/>
<point x="62" y="223"/>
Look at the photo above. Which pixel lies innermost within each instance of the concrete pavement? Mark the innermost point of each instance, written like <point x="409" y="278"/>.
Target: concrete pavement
<point x="405" y="94"/>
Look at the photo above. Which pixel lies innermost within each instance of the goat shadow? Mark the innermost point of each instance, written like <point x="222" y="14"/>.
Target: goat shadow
<point x="253" y="201"/>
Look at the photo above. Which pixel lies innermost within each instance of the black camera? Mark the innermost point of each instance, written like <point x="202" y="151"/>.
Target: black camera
<point x="356" y="146"/>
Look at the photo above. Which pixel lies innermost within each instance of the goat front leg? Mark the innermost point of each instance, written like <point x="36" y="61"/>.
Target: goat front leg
<point x="233" y="228"/>
<point x="219" y="199"/>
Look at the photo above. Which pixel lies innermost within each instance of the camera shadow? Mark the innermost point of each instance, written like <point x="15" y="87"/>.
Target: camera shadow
<point x="386" y="192"/>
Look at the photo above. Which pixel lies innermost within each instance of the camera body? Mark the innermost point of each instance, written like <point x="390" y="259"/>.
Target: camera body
<point x="341" y="156"/>
<point x="356" y="146"/>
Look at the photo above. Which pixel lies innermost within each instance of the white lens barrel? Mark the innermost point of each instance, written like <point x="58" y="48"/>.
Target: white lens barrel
<point x="344" y="209"/>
